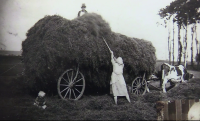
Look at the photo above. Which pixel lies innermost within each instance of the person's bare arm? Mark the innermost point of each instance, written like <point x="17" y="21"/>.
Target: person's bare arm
<point x="112" y="57"/>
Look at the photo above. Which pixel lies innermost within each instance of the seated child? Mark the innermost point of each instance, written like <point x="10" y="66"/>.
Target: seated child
<point x="40" y="101"/>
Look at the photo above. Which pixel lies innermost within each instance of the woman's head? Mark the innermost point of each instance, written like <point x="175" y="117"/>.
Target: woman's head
<point x="119" y="60"/>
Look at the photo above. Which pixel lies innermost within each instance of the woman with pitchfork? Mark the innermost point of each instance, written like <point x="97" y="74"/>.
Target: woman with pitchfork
<point x="117" y="79"/>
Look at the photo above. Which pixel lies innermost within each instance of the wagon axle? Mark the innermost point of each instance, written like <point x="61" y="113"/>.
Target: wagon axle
<point x="138" y="86"/>
<point x="71" y="85"/>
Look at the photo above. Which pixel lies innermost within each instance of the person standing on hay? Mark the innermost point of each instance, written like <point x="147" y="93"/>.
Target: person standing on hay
<point x="117" y="82"/>
<point x="83" y="11"/>
<point x="117" y="79"/>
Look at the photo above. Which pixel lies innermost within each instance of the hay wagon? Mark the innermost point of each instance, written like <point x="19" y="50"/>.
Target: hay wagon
<point x="71" y="84"/>
<point x="55" y="44"/>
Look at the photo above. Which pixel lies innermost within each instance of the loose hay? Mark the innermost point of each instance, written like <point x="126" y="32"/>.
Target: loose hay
<point x="188" y="90"/>
<point x="55" y="44"/>
<point x="90" y="107"/>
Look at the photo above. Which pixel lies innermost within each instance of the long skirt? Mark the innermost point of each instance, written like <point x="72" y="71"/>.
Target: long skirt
<point x="118" y="85"/>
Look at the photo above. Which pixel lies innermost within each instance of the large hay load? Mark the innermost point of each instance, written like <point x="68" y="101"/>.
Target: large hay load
<point x="55" y="44"/>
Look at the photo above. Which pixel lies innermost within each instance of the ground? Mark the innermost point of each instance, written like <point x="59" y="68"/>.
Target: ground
<point x="16" y="103"/>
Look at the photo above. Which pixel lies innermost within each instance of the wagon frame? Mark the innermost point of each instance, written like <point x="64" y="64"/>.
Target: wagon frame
<point x="71" y="84"/>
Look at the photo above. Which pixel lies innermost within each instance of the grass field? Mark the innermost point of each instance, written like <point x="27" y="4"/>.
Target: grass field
<point x="16" y="103"/>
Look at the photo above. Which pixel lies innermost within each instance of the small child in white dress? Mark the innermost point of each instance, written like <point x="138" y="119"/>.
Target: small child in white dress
<point x="40" y="101"/>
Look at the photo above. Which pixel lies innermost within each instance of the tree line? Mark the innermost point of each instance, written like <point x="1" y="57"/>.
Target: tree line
<point x="182" y="13"/>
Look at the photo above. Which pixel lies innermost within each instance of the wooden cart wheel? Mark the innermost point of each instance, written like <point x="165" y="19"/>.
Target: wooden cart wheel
<point x="139" y="86"/>
<point x="71" y="85"/>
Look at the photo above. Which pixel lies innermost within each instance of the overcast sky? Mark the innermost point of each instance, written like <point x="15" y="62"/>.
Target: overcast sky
<point x="133" y="18"/>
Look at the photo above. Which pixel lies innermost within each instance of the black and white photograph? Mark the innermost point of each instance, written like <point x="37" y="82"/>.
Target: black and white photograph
<point x="99" y="60"/>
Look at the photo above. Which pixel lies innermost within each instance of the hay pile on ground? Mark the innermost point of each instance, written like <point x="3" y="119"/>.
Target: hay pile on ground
<point x="188" y="90"/>
<point x="55" y="44"/>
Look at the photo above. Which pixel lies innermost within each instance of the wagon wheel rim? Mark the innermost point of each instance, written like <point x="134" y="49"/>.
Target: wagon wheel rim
<point x="71" y="85"/>
<point x="139" y="86"/>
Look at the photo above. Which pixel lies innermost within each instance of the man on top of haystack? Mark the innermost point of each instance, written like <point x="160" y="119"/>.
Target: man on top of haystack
<point x="83" y="11"/>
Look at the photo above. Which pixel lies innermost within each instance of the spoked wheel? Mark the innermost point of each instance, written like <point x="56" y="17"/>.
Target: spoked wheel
<point x="71" y="85"/>
<point x="139" y="86"/>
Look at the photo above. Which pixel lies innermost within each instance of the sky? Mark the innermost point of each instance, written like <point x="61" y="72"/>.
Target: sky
<point x="133" y="18"/>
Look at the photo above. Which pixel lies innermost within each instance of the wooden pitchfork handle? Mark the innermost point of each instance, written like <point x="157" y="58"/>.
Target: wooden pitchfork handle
<point x="109" y="48"/>
<point x="107" y="45"/>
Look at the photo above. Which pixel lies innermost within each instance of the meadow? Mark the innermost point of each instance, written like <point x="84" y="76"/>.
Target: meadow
<point x="16" y="103"/>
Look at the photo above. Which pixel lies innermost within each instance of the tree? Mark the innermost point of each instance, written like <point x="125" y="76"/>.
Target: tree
<point x="192" y="34"/>
<point x="198" y="58"/>
<point x="169" y="41"/>
<point x="197" y="43"/>
<point x="179" y="45"/>
<point x="185" y="45"/>
<point x="186" y="13"/>
<point x="173" y="43"/>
